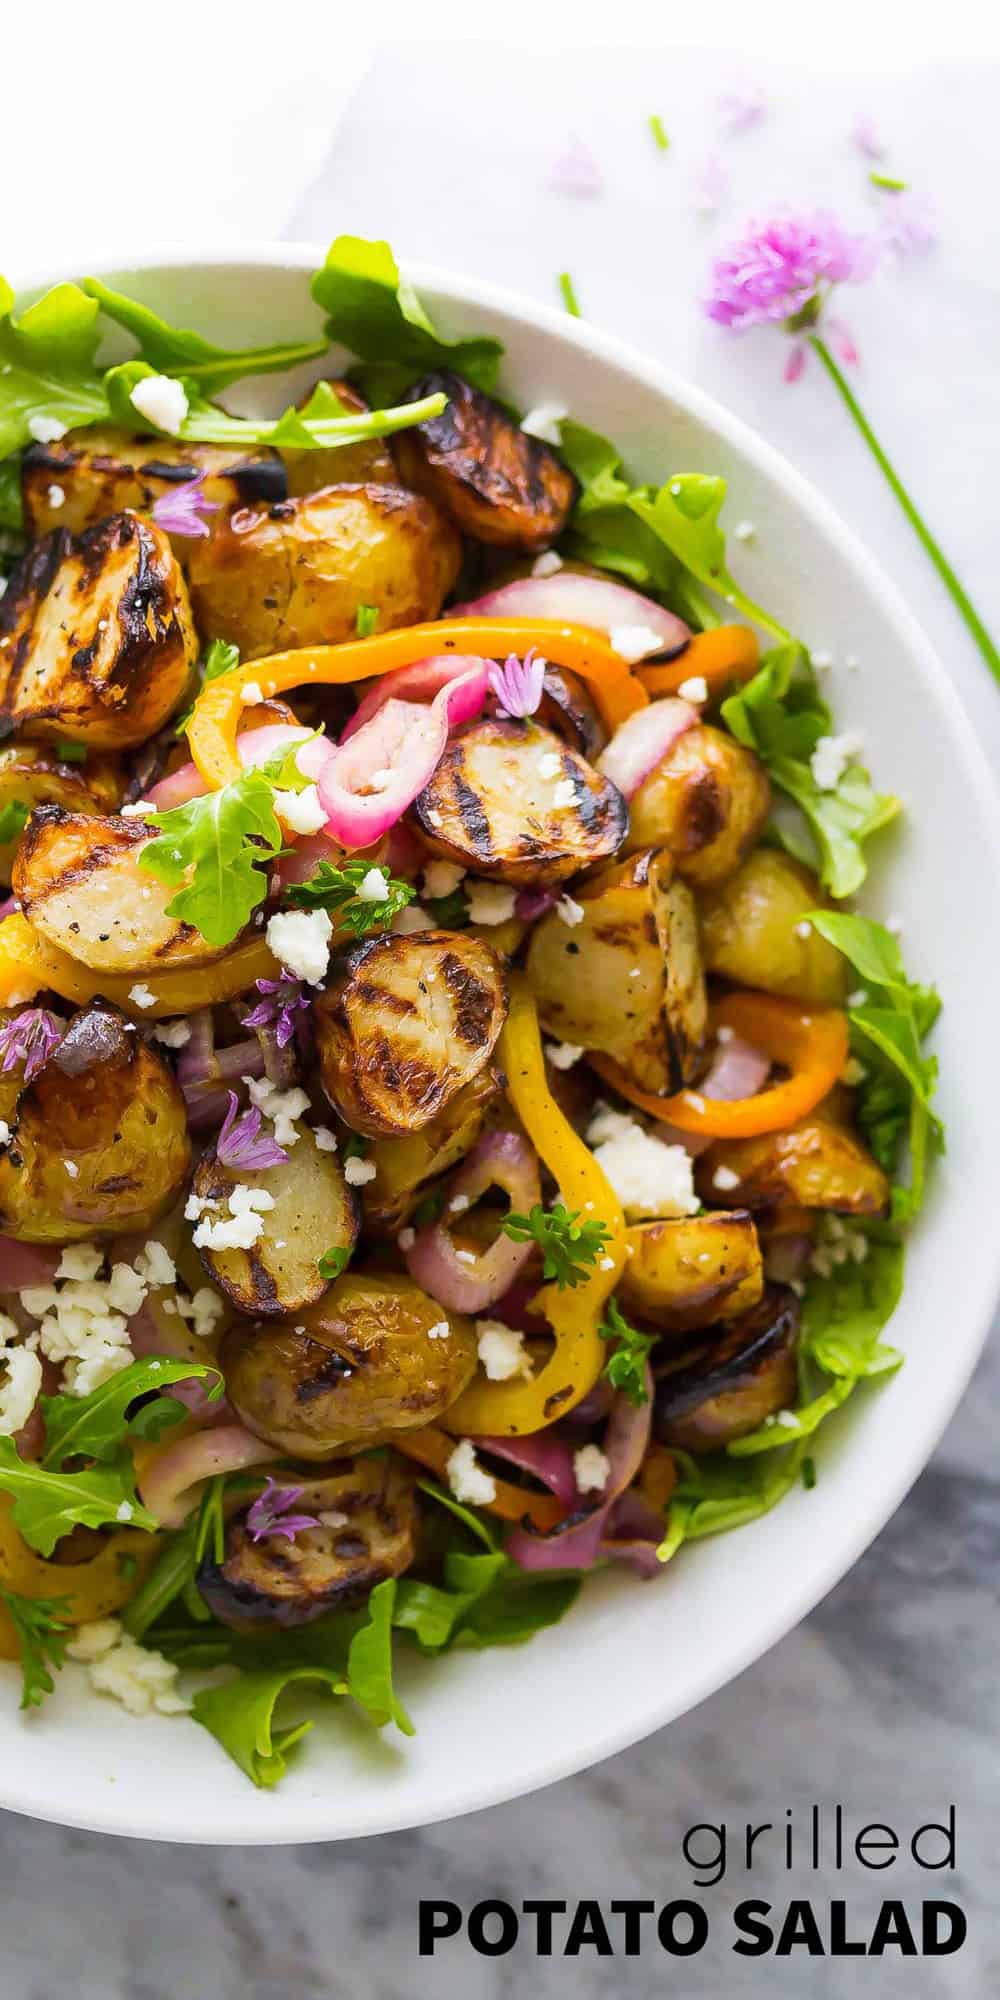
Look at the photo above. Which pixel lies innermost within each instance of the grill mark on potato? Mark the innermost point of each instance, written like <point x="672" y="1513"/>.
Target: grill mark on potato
<point x="473" y="1002"/>
<point x="495" y="481"/>
<point x="332" y="1370"/>
<point x="473" y="815"/>
<point x="704" y="812"/>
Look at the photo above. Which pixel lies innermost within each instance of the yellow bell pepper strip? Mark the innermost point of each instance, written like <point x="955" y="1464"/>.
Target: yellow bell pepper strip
<point x="433" y="1448"/>
<point x="29" y="964"/>
<point x="513" y="1409"/>
<point x="657" y="1476"/>
<point x="92" y="1589"/>
<point x="731" y="653"/>
<point x="217" y="713"/>
<point x="811" y="1043"/>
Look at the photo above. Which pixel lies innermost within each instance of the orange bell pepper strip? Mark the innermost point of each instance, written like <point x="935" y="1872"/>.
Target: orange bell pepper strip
<point x="217" y="713"/>
<point x="29" y="964"/>
<point x="514" y="1409"/>
<point x="730" y="653"/>
<point x="811" y="1043"/>
<point x="92" y="1589"/>
<point x="433" y="1448"/>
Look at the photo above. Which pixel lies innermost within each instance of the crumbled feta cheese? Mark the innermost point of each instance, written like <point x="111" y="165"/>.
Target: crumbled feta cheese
<point x="562" y="1055"/>
<point x="406" y="1238"/>
<point x="55" y="496"/>
<point x="173" y="1034"/>
<point x="251" y="694"/>
<point x="373" y="887"/>
<point x="441" y="878"/>
<point x="546" y="564"/>
<point x="831" y="757"/>
<point x="282" y="1106"/>
<point x="502" y="1351"/>
<point x="325" y="1139"/>
<point x="125" y="1511"/>
<point x="590" y="1469"/>
<point x="894" y="924"/>
<point x="162" y="401"/>
<point x="333" y="1517"/>
<point x="725" y="1180"/>
<point x="134" y="1675"/>
<point x="84" y="1321"/>
<point x="4" y="1133"/>
<point x="434" y="816"/>
<point x="242" y="1227"/>
<point x="202" y="1311"/>
<point x="440" y="1331"/>
<point x="570" y="912"/>
<point x="380" y="780"/>
<point x="357" y="1173"/>
<point x="838" y="1241"/>
<point x="155" y="1264"/>
<point x="80" y="1260"/>
<point x="92" y="1641"/>
<point x="564" y="795"/>
<point x="858" y="997"/>
<point x="459" y="1203"/>
<point x="413" y="918"/>
<point x="853" y="1071"/>
<point x="466" y="1478"/>
<point x="744" y="531"/>
<point x="490" y="902"/>
<point x="550" y="764"/>
<point x="822" y="661"/>
<point x="20" y="1381"/>
<point x="694" y="689"/>
<point x="46" y="430"/>
<point x="302" y="811"/>
<point x="633" y="642"/>
<point x="300" y="941"/>
<point x="136" y="811"/>
<point x="126" y="1289"/>
<point x="195" y="1206"/>
<point x="648" y="1177"/>
<point x="141" y="996"/>
<point x="466" y="1256"/>
<point x="544" y="422"/>
<point x="606" y="1264"/>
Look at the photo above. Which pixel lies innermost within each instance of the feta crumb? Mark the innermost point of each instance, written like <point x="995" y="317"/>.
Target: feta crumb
<point x="283" y="1107"/>
<point x="92" y="1641"/>
<point x="858" y="998"/>
<point x="648" y="1177"/>
<point x="251" y="694"/>
<point x="822" y="661"/>
<point x="562" y="1055"/>
<point x="695" y="689"/>
<point x="325" y="1139"/>
<point x="490" y="902"/>
<point x="300" y="941"/>
<point x="564" y="795"/>
<point x="466" y="1256"/>
<point x="459" y="1203"/>
<point x="135" y="1675"/>
<point x="302" y="811"/>
<point x="569" y="912"/>
<point x="202" y="1311"/>
<point x="606" y="1264"/>
<point x="20" y="1382"/>
<point x="373" y="887"/>
<point x="550" y="765"/>
<point x="46" y="430"/>
<point x="633" y="642"/>
<point x="590" y="1469"/>
<point x="55" y="496"/>
<point x="831" y="757"/>
<point x="125" y="1511"/>
<point x="162" y="401"/>
<point x="804" y="929"/>
<point x="243" y="1226"/>
<point x="333" y="1517"/>
<point x="4" y="1133"/>
<point x="141" y="996"/>
<point x="440" y="1331"/>
<point x="441" y="878"/>
<point x="853" y="1071"/>
<point x="546" y="564"/>
<point x="466" y="1477"/>
<point x="502" y="1351"/>
<point x="434" y="816"/>
<point x="173" y="1034"/>
<point x="406" y="1238"/>
<point x="744" y="531"/>
<point x="725" y="1180"/>
<point x="544" y="422"/>
<point x="80" y="1260"/>
<point x="154" y="1264"/>
<point x="413" y="918"/>
<point x="357" y="1172"/>
<point x="137" y="810"/>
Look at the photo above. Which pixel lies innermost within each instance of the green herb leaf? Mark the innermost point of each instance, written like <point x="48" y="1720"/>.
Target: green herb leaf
<point x="369" y="1662"/>
<point x="47" y="367"/>
<point x="365" y="620"/>
<point x="716" y="1494"/>
<point x="569" y="1247"/>
<point x="336" y="889"/>
<point x="567" y="292"/>
<point x="175" y="350"/>
<point x="168" y="1579"/>
<point x="220" y="659"/>
<point x="218" y="846"/>
<point x="684" y="515"/>
<point x="11" y="506"/>
<point x="43" y="1628"/>
<point x="324" y="422"/>
<point x="659" y="132"/>
<point x="625" y="1369"/>
<point x="887" y="181"/>
<point x="604" y="528"/>
<point x="94" y="1426"/>
<point x="48" y="1505"/>
<point x="13" y="820"/>
<point x="334" y="1261"/>
<point x="451" y="912"/>
<point x="374" y="312"/>
<point x="240" y="1715"/>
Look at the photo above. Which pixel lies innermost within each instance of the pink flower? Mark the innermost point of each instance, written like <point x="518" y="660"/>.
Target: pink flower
<point x="518" y="684"/>
<point x="711" y="185"/>
<point x="906" y="224"/>
<point x="270" y="1513"/>
<point x="779" y="267"/>
<point x="795" y="365"/>
<point x="281" y="1000"/>
<point x="741" y="107"/>
<point x="576" y="171"/>
<point x="843" y="342"/>
<point x="179" y="511"/>
<point x="867" y="139"/>
<point x="240" y="1145"/>
<point x="29" y="1038"/>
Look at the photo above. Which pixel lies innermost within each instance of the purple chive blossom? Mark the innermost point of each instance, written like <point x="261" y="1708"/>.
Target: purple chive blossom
<point x="742" y="107"/>
<point x="29" y="1039"/>
<point x="179" y="511"/>
<point x="270" y="1513"/>
<point x="711" y="185"/>
<point x="843" y="342"/>
<point x="779" y="267"/>
<point x="518" y="684"/>
<point x="240" y="1145"/>
<point x="906" y="224"/>
<point x="576" y="171"/>
<point x="795" y="366"/>
<point x="281" y="1000"/>
<point x="867" y="139"/>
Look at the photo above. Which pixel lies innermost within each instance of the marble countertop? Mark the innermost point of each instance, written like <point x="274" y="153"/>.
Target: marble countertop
<point x="886" y="1698"/>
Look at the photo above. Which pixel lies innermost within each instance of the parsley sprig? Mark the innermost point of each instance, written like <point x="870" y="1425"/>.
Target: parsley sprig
<point x="570" y="1247"/>
<point x="43" y="1629"/>
<point x="625" y="1368"/>
<point x="336" y="889"/>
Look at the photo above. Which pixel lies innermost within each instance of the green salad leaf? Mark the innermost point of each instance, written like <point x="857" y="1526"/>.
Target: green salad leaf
<point x="372" y="311"/>
<point x="47" y="372"/>
<point x="93" y="1426"/>
<point x="369" y="1662"/>
<point x="43" y="1629"/>
<point x="13" y="820"/>
<point x="218" y="847"/>
<point x="11" y="510"/>
<point x="324" y="421"/>
<point x="176" y="350"/>
<point x="240" y="1715"/>
<point x="625" y="1369"/>
<point x="220" y="658"/>
<point x="684" y="515"/>
<point x="604" y="528"/>
<point x="714" y="1495"/>
<point x="569" y="1246"/>
<point x="48" y="1505"/>
<point x="336" y="889"/>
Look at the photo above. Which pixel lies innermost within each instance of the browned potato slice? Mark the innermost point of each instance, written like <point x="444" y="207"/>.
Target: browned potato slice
<point x="79" y="882"/>
<point x="404" y="1024"/>
<point x="273" y="578"/>
<point x="90" y="474"/>
<point x="33" y="776"/>
<point x="404" y="1166"/>
<point x="367" y="463"/>
<point x="693" y="1270"/>
<point x="494" y="803"/>
<point x="735" y="1382"/>
<point x="706" y="803"/>
<point x="367" y="1518"/>
<point x="314" y="1211"/>
<point x="626" y="981"/>
<point x="100" y="1143"/>
<point x="355" y="1368"/>
<point x="495" y="481"/>
<point x="749" y="929"/>
<point x="567" y="708"/>
<point x="96" y="638"/>
<point x="815" y="1164"/>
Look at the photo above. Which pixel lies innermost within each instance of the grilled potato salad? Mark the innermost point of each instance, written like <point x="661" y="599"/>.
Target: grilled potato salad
<point x="367" y="463"/>
<point x="313" y="1213"/>
<point x="79" y="880"/>
<point x="755" y="930"/>
<point x="816" y="1164"/>
<point x="732" y="1387"/>
<point x="689" y="1271"/>
<point x="89" y="475"/>
<point x="706" y="803"/>
<point x="31" y="775"/>
<point x="511" y="800"/>
<point x="493" y="480"/>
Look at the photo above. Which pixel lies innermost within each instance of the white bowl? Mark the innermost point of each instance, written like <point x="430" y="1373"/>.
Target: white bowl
<point x="630" y="1656"/>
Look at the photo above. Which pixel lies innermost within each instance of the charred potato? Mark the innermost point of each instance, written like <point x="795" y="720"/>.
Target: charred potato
<point x="750" y="931"/>
<point x="79" y="882"/>
<point x="494" y="803"/>
<point x="690" y="1271"/>
<point x="404" y="1024"/>
<point x="626" y="981"/>
<point x="816" y="1164"/>
<point x="366" y="1519"/>
<point x="567" y="708"/>
<point x="706" y="803"/>
<point x="736" y="1382"/>
<point x="354" y="1369"/>
<point x="404" y="1166"/>
<point x="90" y="474"/>
<point x="273" y="578"/>
<point x="99" y="1143"/>
<point x="367" y="463"/>
<point x="32" y="776"/>
<point x="96" y="638"/>
<point x="491" y="478"/>
<point x="314" y="1211"/>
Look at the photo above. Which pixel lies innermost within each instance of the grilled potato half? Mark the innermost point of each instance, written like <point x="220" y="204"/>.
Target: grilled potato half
<point x="79" y="882"/>
<point x="706" y="803"/>
<point x="273" y="578"/>
<point x="750" y="931"/>
<point x="367" y="463"/>
<point x="495" y="804"/>
<point x="626" y="981"/>
<point x="31" y="775"/>
<point x="96" y="638"/>
<point x="815" y="1164"/>
<point x="90" y="474"/>
<point x="99" y="1145"/>
<point x="314" y="1211"/>
<point x="404" y="1166"/>
<point x="352" y="1370"/>
<point x="491" y="478"/>
<point x="688" y="1272"/>
<point x="734" y="1383"/>
<point x="404" y="1024"/>
<point x="366" y="1520"/>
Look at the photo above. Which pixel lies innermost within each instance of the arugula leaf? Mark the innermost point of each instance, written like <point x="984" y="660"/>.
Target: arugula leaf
<point x="175" y="350"/>
<point x="478" y="1525"/>
<point x="240" y="1715"/>
<point x="603" y="526"/>
<point x="374" y="312"/>
<point x="451" y="912"/>
<point x="369" y="1662"/>
<point x="626" y="1368"/>
<point x="336" y="889"/>
<point x="93" y="1426"/>
<point x="43" y="1627"/>
<point x="47" y="367"/>
<point x="324" y="421"/>
<point x="13" y="820"/>
<point x="887" y="1032"/>
<point x="11" y="503"/>
<point x="569" y="1247"/>
<point x="47" y="1505"/>
<point x="218" y="846"/>
<point x="685" y="516"/>
<point x="714" y="1495"/>
<point x="220" y="659"/>
<point x="170" y="1576"/>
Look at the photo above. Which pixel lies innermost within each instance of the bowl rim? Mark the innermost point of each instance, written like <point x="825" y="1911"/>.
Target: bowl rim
<point x="299" y="1821"/>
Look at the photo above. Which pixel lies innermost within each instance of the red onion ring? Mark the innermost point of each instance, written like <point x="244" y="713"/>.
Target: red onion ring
<point x="169" y="1485"/>
<point x="500" y="1159"/>
<point x="643" y="740"/>
<point x="419" y="682"/>
<point x="583" y="600"/>
<point x="253" y="747"/>
<point x="633" y="1533"/>
<point x="23" y="1264"/>
<point x="404" y="740"/>
<point x="576" y="1543"/>
<point x="737" y="1070"/>
<point x="534" y="903"/>
<point x="545" y="1454"/>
